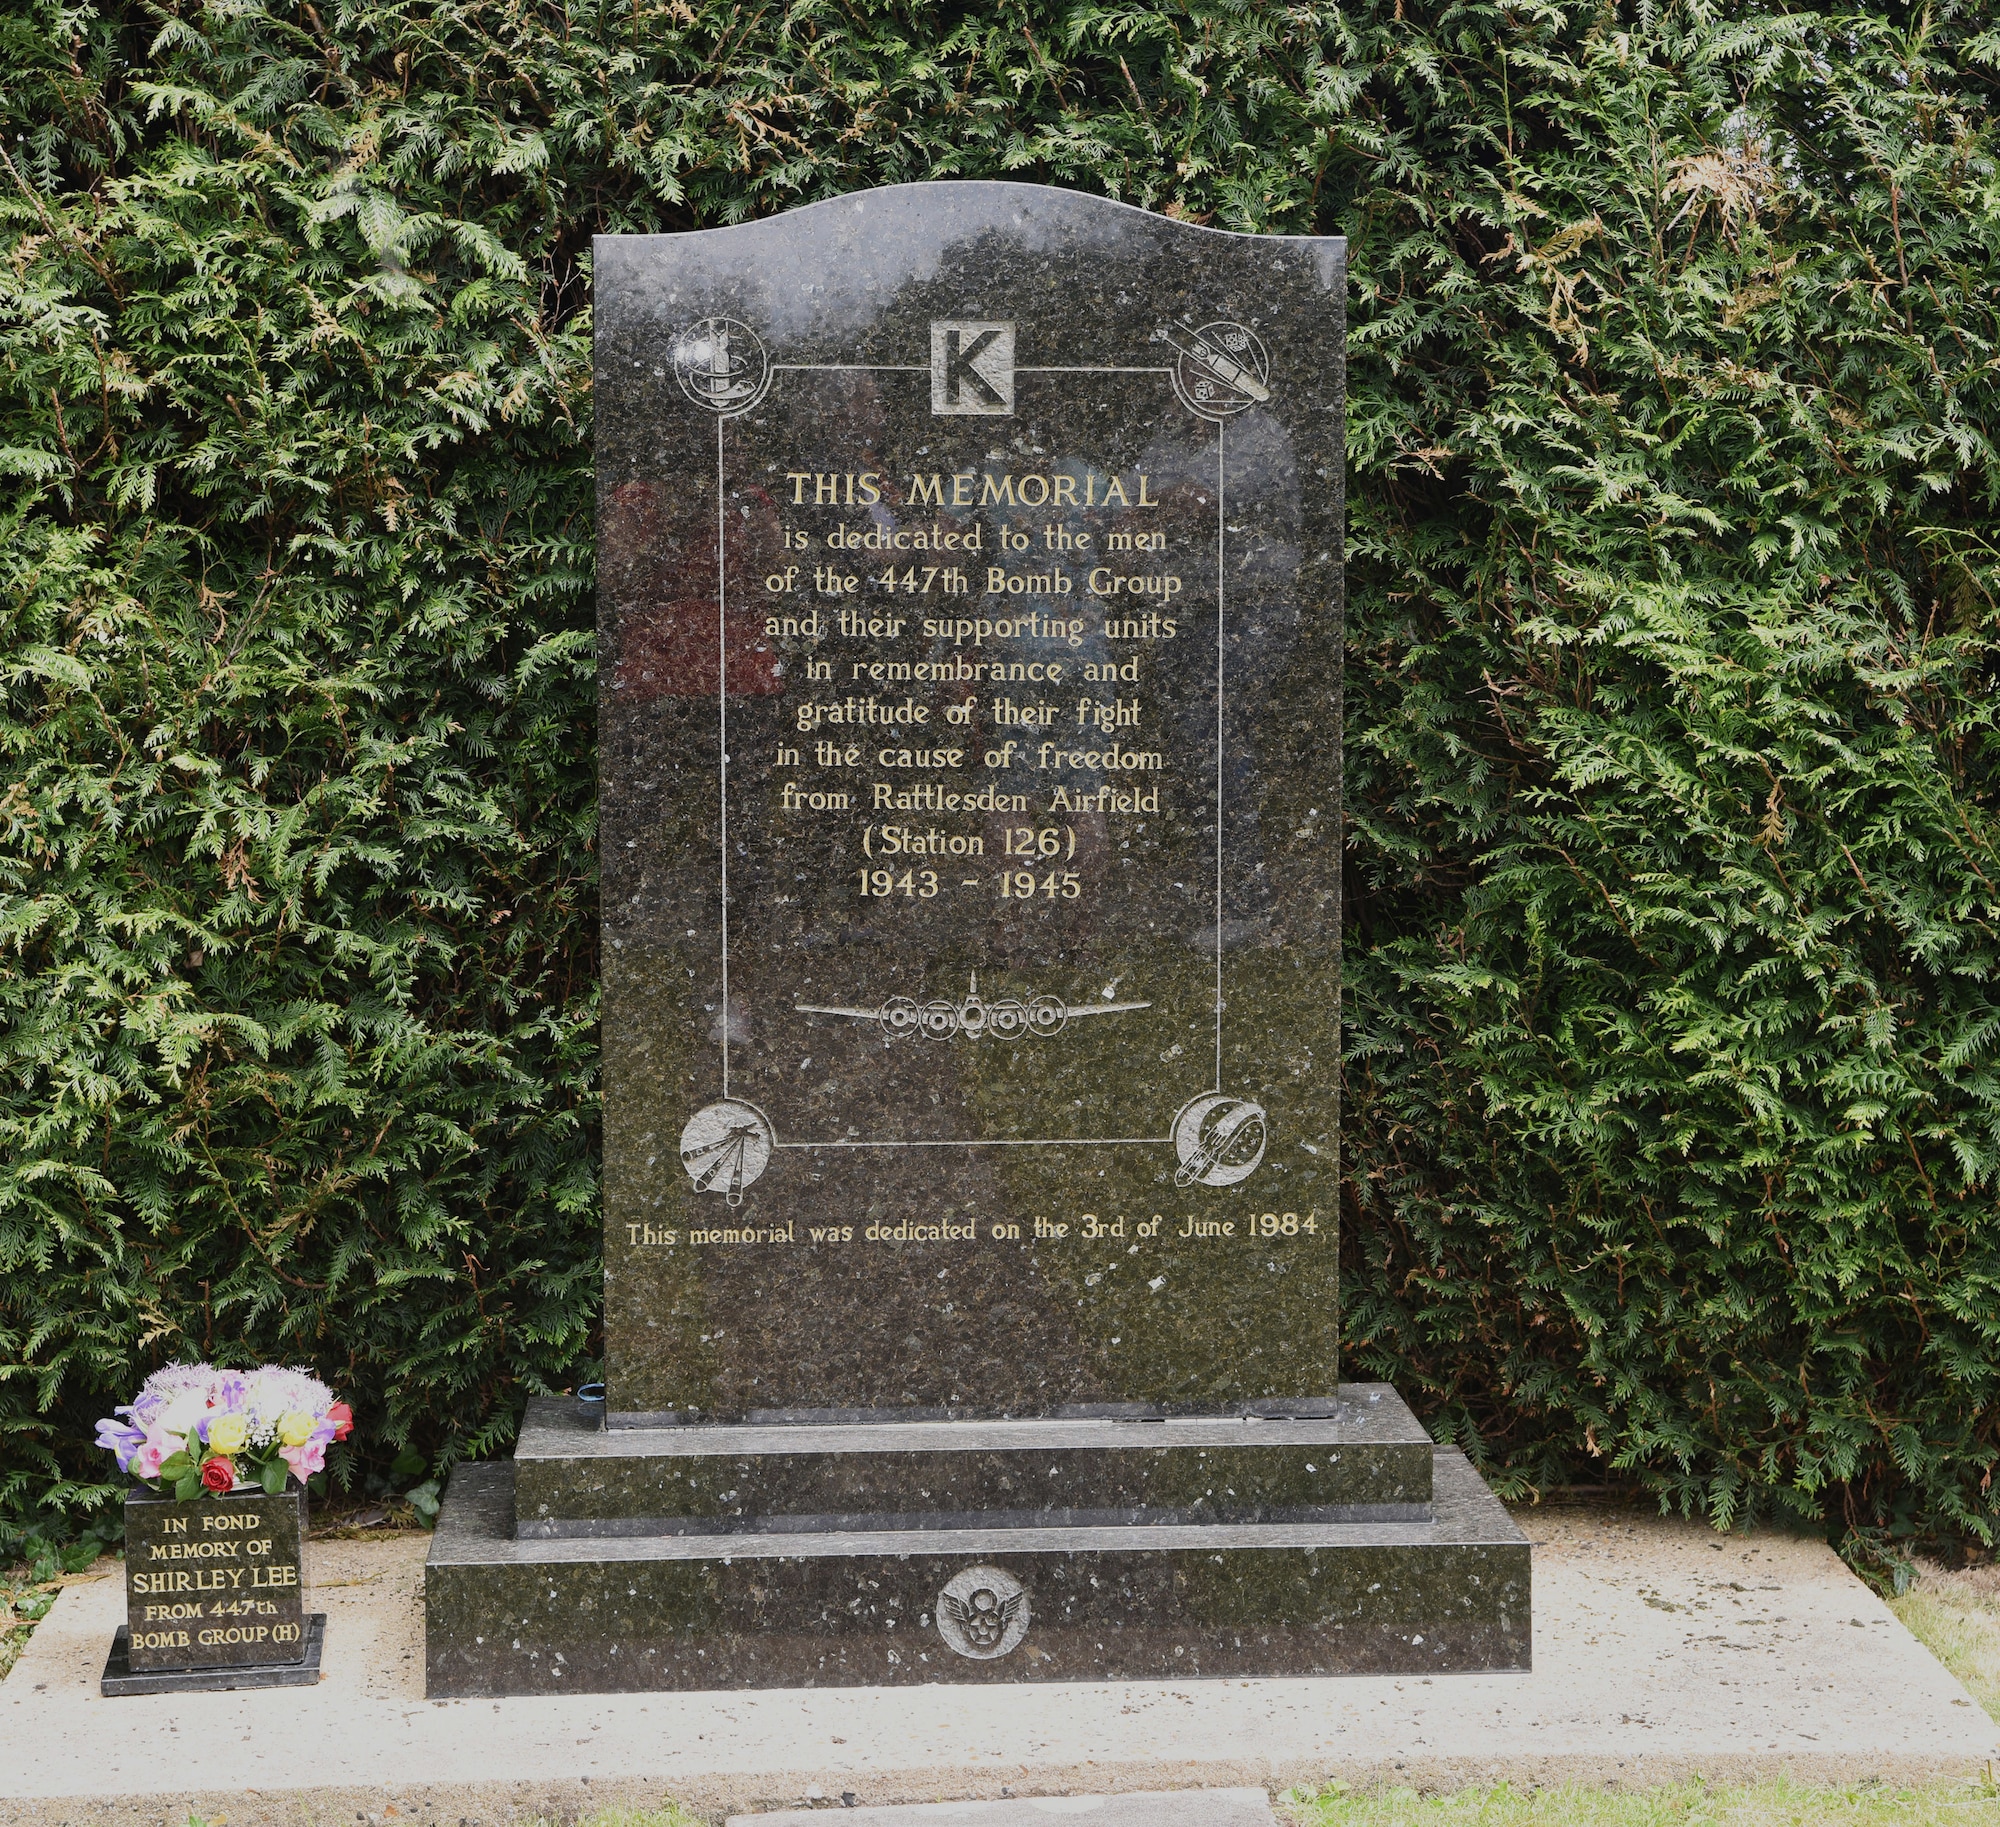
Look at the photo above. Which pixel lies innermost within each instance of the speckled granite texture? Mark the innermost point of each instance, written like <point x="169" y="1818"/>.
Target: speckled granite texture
<point x="1368" y="1461"/>
<point x="918" y="1096"/>
<point x="970" y="651"/>
<point x="506" y="1616"/>
<point x="218" y="1582"/>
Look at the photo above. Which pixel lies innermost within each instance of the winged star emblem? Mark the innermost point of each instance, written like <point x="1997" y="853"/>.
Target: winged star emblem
<point x="982" y="1615"/>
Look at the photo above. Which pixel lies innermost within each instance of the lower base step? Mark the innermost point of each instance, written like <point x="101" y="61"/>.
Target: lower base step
<point x="119" y="1678"/>
<point x="1160" y="1602"/>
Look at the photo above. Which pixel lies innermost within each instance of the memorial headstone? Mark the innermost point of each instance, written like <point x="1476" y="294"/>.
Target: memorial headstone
<point x="214" y="1595"/>
<point x="971" y="632"/>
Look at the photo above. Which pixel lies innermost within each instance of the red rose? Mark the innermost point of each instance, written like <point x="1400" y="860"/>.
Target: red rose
<point x="218" y="1474"/>
<point x="342" y="1418"/>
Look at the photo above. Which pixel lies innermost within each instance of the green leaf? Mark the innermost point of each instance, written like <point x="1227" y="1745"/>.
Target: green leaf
<point x="273" y="1475"/>
<point x="176" y="1465"/>
<point x="187" y="1487"/>
<point x="424" y="1499"/>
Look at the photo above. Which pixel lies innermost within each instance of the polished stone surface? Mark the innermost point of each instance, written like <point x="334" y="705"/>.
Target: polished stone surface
<point x="666" y="1611"/>
<point x="972" y="958"/>
<point x="216" y="1582"/>
<point x="1365" y="1458"/>
<point x="970" y="650"/>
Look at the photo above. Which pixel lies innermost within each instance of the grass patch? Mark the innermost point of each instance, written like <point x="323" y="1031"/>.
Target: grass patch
<point x="24" y="1602"/>
<point x="1693" y="1804"/>
<point x="1956" y="1616"/>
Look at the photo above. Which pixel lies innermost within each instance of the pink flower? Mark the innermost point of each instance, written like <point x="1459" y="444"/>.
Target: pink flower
<point x="304" y="1460"/>
<point x="157" y="1445"/>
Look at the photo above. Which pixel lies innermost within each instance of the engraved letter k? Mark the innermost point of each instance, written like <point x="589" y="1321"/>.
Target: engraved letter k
<point x="958" y="365"/>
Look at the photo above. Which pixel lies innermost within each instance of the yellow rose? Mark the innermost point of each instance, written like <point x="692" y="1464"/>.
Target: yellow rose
<point x="295" y="1428"/>
<point x="227" y="1433"/>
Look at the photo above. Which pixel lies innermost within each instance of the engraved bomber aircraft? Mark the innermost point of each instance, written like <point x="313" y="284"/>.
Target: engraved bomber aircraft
<point x="1038" y="1018"/>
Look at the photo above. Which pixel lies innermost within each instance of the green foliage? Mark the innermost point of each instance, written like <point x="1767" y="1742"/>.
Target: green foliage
<point x="1673" y="1002"/>
<point x="300" y="993"/>
<point x="1776" y="1802"/>
<point x="1673" y="1113"/>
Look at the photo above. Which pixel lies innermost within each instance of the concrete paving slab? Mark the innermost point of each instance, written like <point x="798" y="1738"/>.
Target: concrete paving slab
<point x="1139" y="1808"/>
<point x="1661" y="1651"/>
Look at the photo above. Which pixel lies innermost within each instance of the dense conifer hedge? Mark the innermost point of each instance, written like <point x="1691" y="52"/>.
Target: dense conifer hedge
<point x="1675" y="1113"/>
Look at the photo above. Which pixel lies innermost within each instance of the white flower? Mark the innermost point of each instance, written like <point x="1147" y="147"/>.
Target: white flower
<point x="184" y="1410"/>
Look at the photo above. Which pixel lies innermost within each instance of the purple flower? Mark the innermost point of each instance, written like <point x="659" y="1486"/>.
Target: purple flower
<point x="180" y="1401"/>
<point x="115" y="1436"/>
<point x="163" y="1386"/>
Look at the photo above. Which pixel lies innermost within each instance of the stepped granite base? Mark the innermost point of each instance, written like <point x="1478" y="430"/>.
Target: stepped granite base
<point x="793" y="1555"/>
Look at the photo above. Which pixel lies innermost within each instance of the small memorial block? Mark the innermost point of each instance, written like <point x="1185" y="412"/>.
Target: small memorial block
<point x="217" y="1582"/>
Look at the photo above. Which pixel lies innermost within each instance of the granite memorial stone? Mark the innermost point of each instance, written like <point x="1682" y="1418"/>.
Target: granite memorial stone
<point x="972" y="961"/>
<point x="971" y="630"/>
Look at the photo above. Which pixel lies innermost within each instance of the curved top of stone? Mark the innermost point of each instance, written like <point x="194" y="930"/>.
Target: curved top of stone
<point x="829" y="268"/>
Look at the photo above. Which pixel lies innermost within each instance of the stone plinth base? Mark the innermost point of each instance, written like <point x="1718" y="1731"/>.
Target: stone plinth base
<point x="1174" y="1550"/>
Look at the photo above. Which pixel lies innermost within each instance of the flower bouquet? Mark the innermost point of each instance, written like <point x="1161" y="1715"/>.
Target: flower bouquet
<point x="194" y="1428"/>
